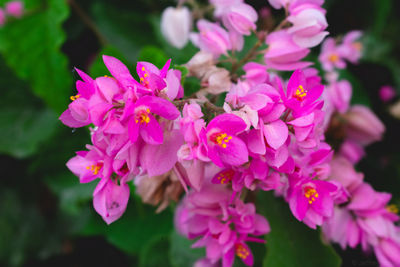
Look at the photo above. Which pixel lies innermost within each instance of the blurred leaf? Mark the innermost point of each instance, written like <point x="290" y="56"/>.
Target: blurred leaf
<point x="156" y="253"/>
<point x="31" y="47"/>
<point x="181" y="254"/>
<point x="191" y="85"/>
<point x="135" y="229"/>
<point x="72" y="194"/>
<point x="98" y="68"/>
<point x="153" y="55"/>
<point x="24" y="123"/>
<point x="124" y="29"/>
<point x="291" y="243"/>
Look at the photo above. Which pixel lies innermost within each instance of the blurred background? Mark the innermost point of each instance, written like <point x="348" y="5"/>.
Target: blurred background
<point x="46" y="216"/>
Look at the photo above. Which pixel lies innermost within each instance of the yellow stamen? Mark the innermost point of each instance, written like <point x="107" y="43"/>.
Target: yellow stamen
<point x="226" y="176"/>
<point x="241" y="251"/>
<point x="95" y="168"/>
<point x="74" y="97"/>
<point x="300" y="93"/>
<point x="221" y="139"/>
<point x="142" y="116"/>
<point x="392" y="208"/>
<point x="311" y="194"/>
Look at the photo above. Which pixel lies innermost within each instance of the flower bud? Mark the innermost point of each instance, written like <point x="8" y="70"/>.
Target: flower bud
<point x="363" y="125"/>
<point x="15" y="8"/>
<point x="175" y="25"/>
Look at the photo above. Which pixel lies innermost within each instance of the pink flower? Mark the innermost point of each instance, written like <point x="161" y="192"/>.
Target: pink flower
<point x="387" y="93"/>
<point x="388" y="252"/>
<point x="302" y="94"/>
<point x="212" y="38"/>
<point x="343" y="172"/>
<point x="351" y="49"/>
<point x="224" y="147"/>
<point x="15" y="8"/>
<point x="144" y="123"/>
<point x="311" y="201"/>
<point x="110" y="199"/>
<point x="78" y="113"/>
<point x="240" y="18"/>
<point x="342" y="228"/>
<point x="309" y="23"/>
<point x="256" y="73"/>
<point x="352" y="151"/>
<point x="283" y="53"/>
<point x="339" y="94"/>
<point x="175" y="25"/>
<point x="331" y="57"/>
<point x="363" y="126"/>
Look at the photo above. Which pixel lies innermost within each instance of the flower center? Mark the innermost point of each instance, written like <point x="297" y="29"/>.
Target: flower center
<point x="300" y="93"/>
<point x="357" y="45"/>
<point x="95" y="168"/>
<point x="75" y="97"/>
<point x="241" y="251"/>
<point x="333" y="58"/>
<point x="142" y="116"/>
<point x="221" y="139"/>
<point x="225" y="176"/>
<point x="311" y="194"/>
<point x="392" y="208"/>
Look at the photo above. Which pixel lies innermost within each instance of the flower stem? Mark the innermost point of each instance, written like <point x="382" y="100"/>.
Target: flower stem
<point x="88" y="22"/>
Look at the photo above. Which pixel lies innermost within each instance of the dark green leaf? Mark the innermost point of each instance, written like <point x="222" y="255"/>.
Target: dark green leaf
<point x="291" y="243"/>
<point x="181" y="254"/>
<point x="153" y="55"/>
<point x="31" y="47"/>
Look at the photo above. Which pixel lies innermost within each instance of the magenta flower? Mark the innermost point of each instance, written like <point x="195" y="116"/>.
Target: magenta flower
<point x="224" y="147"/>
<point x="110" y="199"/>
<point x="387" y="93"/>
<point x="144" y="123"/>
<point x="2" y="17"/>
<point x="311" y="201"/>
<point x="301" y="96"/>
<point x="15" y="8"/>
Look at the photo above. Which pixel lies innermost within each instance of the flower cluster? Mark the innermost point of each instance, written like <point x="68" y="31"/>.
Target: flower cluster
<point x="12" y="9"/>
<point x="296" y="136"/>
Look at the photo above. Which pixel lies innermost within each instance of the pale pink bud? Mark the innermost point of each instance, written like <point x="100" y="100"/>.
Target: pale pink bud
<point x="283" y="53"/>
<point x="240" y="18"/>
<point x="309" y="23"/>
<point x="216" y="80"/>
<point x="200" y="63"/>
<point x="363" y="125"/>
<point x="175" y="25"/>
<point x="15" y="8"/>
<point x="352" y="151"/>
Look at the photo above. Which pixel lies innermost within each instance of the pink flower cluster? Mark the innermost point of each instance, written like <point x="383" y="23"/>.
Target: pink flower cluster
<point x="223" y="224"/>
<point x="134" y="129"/>
<point x="270" y="134"/>
<point x="12" y="9"/>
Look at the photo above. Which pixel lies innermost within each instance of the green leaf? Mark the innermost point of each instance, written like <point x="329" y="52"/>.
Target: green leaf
<point x="291" y="243"/>
<point x="156" y="253"/>
<point x="360" y="95"/>
<point x="98" y="68"/>
<point x="24" y="123"/>
<point x="31" y="47"/>
<point x="181" y="254"/>
<point x="153" y="55"/>
<point x="136" y="229"/>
